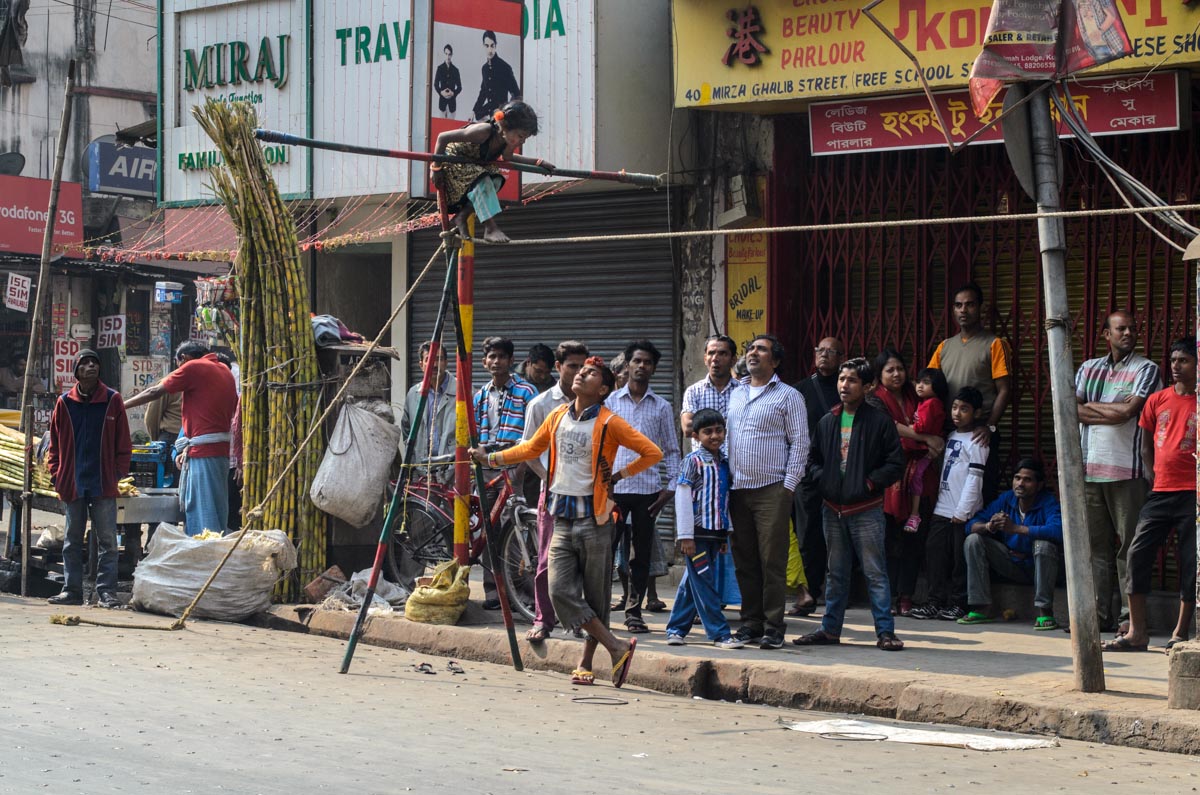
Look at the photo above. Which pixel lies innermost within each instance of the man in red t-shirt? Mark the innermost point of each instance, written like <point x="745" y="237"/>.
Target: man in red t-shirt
<point x="1169" y="451"/>
<point x="209" y="402"/>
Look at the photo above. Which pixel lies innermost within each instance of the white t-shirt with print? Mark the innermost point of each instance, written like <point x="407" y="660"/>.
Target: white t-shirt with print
<point x="960" y="493"/>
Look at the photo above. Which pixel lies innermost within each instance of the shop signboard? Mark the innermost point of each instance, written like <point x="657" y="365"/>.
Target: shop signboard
<point x="121" y="170"/>
<point x="747" y="260"/>
<point x="362" y="83"/>
<point x="254" y="51"/>
<point x="737" y="53"/>
<point x="16" y="295"/>
<point x="1109" y="106"/>
<point x="23" y="205"/>
<point x="110" y="332"/>
<point x="65" y="353"/>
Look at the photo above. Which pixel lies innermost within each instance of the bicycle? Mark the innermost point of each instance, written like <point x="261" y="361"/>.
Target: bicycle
<point x="426" y="534"/>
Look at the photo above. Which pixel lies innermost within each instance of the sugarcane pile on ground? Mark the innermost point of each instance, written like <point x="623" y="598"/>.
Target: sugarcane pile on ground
<point x="12" y="465"/>
<point x="278" y="358"/>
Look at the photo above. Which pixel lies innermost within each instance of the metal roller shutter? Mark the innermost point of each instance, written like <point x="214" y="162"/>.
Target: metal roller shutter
<point x="604" y="294"/>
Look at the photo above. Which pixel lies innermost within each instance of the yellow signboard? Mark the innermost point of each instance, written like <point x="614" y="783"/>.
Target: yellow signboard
<point x="740" y="52"/>
<point x="746" y="287"/>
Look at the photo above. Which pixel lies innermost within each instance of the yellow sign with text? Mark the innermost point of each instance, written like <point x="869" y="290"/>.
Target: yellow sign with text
<point x="733" y="52"/>
<point x="746" y="287"/>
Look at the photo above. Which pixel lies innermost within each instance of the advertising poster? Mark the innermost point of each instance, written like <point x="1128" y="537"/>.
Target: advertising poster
<point x="476" y="46"/>
<point x="23" y="205"/>
<point x="16" y="296"/>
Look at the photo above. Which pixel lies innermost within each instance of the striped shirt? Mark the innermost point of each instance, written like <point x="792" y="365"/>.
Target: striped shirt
<point x="767" y="436"/>
<point x="1114" y="452"/>
<point x="510" y="422"/>
<point x="709" y="479"/>
<point x="653" y="418"/>
<point x="704" y="395"/>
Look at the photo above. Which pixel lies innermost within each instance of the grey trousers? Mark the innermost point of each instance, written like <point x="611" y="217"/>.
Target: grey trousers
<point x="760" y="551"/>
<point x="580" y="570"/>
<point x="985" y="555"/>
<point x="1112" y="515"/>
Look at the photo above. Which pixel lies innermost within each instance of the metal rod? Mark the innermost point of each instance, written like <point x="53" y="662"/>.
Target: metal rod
<point x="1077" y="545"/>
<point x="633" y="178"/>
<point x="39" y="306"/>
<point x="410" y="447"/>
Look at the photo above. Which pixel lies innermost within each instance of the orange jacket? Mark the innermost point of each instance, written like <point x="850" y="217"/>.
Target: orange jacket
<point x="620" y="434"/>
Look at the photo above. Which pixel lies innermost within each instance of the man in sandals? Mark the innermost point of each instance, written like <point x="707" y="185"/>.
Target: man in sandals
<point x="582" y="438"/>
<point x="856" y="455"/>
<point x="1018" y="536"/>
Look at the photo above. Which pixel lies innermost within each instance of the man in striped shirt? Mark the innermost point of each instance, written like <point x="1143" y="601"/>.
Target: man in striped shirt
<point x="643" y="496"/>
<point x="500" y="403"/>
<point x="768" y="450"/>
<point x="1111" y="391"/>
<point x="713" y="391"/>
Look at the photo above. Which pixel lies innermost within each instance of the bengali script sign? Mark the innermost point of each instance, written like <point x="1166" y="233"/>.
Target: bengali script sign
<point x="1108" y="105"/>
<point x="733" y="52"/>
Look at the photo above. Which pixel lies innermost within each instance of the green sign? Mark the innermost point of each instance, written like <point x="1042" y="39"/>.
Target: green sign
<point x="202" y="161"/>
<point x="230" y="63"/>
<point x="372" y="45"/>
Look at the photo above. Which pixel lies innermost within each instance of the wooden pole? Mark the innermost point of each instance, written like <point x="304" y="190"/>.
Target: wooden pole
<point x="1077" y="545"/>
<point x="39" y="304"/>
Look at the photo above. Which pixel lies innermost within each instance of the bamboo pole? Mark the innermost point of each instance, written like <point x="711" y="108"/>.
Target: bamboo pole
<point x="39" y="305"/>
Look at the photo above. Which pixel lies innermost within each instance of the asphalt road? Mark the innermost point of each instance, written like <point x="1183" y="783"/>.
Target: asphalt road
<point x="227" y="708"/>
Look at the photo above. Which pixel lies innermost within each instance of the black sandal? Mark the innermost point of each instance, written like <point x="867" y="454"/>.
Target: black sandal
<point x="636" y="625"/>
<point x="818" y="638"/>
<point x="889" y="642"/>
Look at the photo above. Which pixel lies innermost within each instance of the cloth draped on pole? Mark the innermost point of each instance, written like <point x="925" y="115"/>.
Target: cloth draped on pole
<point x="1045" y="40"/>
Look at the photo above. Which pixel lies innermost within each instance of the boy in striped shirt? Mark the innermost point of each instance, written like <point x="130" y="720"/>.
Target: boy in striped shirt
<point x="702" y="525"/>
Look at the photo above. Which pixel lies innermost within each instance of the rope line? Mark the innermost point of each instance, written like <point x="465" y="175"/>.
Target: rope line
<point x="846" y="226"/>
<point x="256" y="512"/>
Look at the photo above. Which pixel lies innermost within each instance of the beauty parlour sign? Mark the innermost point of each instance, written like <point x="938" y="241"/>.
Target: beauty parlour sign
<point x="730" y="53"/>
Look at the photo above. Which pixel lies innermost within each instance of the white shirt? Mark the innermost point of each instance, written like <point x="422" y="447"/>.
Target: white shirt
<point x="960" y="494"/>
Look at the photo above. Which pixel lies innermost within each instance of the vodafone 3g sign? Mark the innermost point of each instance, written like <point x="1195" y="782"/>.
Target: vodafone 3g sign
<point x="23" y="203"/>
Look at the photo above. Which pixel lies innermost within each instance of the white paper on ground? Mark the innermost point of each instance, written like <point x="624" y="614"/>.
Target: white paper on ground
<point x="901" y="734"/>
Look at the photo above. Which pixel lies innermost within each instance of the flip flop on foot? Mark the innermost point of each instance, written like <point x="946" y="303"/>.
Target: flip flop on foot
<point x="975" y="617"/>
<point x="818" y="638"/>
<point x="1045" y="623"/>
<point x="1123" y="644"/>
<point x="636" y="625"/>
<point x="1175" y="639"/>
<point x="537" y="635"/>
<point x="620" y="671"/>
<point x="802" y="609"/>
<point x="582" y="677"/>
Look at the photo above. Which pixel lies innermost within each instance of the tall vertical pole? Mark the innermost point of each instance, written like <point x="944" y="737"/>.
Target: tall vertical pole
<point x="39" y="304"/>
<point x="1190" y="249"/>
<point x="462" y="432"/>
<point x="1085" y="627"/>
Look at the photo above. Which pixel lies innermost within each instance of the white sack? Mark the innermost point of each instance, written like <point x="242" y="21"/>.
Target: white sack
<point x="352" y="479"/>
<point x="177" y="566"/>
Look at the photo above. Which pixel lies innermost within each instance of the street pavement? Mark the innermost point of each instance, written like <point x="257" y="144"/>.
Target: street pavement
<point x="220" y="708"/>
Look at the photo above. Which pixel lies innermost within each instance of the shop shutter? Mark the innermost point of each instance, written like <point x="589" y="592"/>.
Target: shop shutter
<point x="604" y="294"/>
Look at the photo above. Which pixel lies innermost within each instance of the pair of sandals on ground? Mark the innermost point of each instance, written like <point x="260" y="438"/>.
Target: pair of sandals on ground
<point x="1122" y="643"/>
<point x="620" y="671"/>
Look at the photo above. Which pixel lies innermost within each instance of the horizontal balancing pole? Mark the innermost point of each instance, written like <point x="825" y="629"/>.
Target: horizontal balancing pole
<point x="276" y="137"/>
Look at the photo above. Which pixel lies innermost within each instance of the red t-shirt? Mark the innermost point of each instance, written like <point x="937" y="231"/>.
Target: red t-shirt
<point x="1171" y="419"/>
<point x="209" y="401"/>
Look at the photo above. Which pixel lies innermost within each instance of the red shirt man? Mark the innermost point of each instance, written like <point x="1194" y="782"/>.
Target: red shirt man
<point x="209" y="401"/>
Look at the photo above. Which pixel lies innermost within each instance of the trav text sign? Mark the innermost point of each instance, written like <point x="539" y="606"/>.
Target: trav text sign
<point x="733" y="52"/>
<point x="23" y="205"/>
<point x="1109" y="106"/>
<point x="362" y="82"/>
<point x="252" y="51"/>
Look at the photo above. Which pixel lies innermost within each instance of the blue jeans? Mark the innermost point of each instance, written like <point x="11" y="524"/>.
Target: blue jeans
<point x="104" y="525"/>
<point x="698" y="594"/>
<point x="862" y="533"/>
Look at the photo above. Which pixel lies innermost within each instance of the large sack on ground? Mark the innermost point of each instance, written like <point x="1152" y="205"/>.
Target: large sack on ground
<point x="177" y="566"/>
<point x="353" y="475"/>
<point x="444" y="599"/>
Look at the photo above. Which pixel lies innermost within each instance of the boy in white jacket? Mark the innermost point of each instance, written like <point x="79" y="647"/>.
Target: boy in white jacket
<point x="960" y="495"/>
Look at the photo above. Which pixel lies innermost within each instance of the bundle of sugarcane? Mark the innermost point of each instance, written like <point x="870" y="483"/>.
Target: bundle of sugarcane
<point x="12" y="465"/>
<point x="280" y="379"/>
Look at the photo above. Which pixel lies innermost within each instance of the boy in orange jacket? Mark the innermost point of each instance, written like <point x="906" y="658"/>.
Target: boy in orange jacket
<point x="583" y="437"/>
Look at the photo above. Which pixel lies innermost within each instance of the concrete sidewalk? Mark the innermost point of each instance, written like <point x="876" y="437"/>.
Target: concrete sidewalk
<point x="1001" y="676"/>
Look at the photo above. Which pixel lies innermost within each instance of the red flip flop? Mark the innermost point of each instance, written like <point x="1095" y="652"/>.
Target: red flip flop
<point x="620" y="671"/>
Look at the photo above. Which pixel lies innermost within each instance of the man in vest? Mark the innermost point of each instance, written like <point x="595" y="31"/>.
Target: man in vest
<point x="977" y="357"/>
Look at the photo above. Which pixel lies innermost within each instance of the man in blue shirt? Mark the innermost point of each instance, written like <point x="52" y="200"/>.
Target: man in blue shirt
<point x="1018" y="536"/>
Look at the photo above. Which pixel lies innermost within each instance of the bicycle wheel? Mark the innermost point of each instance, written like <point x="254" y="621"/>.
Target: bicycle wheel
<point x="418" y="543"/>
<point x="519" y="554"/>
